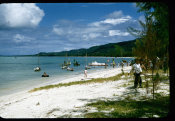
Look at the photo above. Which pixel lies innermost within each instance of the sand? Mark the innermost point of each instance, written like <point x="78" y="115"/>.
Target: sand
<point x="69" y="101"/>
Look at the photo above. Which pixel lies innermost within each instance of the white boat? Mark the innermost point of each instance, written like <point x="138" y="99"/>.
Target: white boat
<point x="95" y="63"/>
<point x="70" y="69"/>
<point x="64" y="67"/>
<point x="37" y="69"/>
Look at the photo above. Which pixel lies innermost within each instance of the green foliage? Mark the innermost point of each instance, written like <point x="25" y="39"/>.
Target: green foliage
<point x="160" y="12"/>
<point x="129" y="108"/>
<point x="154" y="35"/>
<point x="119" y="50"/>
<point x="97" y="80"/>
<point x="111" y="49"/>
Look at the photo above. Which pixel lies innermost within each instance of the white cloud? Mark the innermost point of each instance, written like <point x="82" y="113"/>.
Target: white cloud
<point x="75" y="32"/>
<point x="115" y="14"/>
<point x="112" y="21"/>
<point x="58" y="31"/>
<point x="118" y="33"/>
<point x="117" y="21"/>
<point x="18" y="38"/>
<point x="94" y="35"/>
<point x="90" y="36"/>
<point x="68" y="48"/>
<point x="16" y="15"/>
<point x="94" y="31"/>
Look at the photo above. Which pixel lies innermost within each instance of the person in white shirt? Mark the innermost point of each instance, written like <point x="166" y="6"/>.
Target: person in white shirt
<point x="137" y="71"/>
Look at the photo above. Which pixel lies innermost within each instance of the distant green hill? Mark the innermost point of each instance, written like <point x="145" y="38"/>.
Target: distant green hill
<point x="111" y="50"/>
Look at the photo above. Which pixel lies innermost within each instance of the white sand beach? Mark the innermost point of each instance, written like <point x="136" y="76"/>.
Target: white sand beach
<point x="68" y="101"/>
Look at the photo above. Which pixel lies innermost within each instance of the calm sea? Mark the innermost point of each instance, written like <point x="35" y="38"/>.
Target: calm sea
<point x="17" y="74"/>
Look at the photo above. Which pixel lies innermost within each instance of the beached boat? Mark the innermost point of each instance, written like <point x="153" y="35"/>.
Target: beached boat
<point x="95" y="63"/>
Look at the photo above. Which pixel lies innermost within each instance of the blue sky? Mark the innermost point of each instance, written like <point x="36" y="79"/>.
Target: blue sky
<point x="30" y="28"/>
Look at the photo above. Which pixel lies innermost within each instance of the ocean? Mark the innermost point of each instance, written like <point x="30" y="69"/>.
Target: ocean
<point x="17" y="74"/>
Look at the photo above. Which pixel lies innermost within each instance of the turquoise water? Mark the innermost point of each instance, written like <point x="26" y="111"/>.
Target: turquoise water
<point x="16" y="73"/>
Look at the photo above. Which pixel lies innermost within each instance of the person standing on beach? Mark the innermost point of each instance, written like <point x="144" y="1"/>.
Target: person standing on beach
<point x="122" y="64"/>
<point x="137" y="71"/>
<point x="85" y="72"/>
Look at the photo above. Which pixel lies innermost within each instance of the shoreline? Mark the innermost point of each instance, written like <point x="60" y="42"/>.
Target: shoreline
<point x="16" y="97"/>
<point x="52" y="80"/>
<point x="55" y="80"/>
<point x="67" y="100"/>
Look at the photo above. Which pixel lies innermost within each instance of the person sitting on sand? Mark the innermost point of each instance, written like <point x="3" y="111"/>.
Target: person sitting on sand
<point x="137" y="71"/>
<point x="85" y="72"/>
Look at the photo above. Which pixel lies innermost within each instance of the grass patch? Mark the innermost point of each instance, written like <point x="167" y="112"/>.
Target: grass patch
<point x="97" y="80"/>
<point x="131" y="108"/>
<point x="96" y="115"/>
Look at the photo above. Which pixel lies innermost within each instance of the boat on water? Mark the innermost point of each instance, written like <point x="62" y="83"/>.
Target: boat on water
<point x="87" y="67"/>
<point x="64" y="67"/>
<point x="45" y="75"/>
<point x="76" y="63"/>
<point x="95" y="63"/>
<point x="68" y="62"/>
<point x="37" y="68"/>
<point x="70" y="69"/>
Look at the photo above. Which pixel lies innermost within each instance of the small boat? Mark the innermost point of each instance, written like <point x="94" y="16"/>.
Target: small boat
<point x="76" y="63"/>
<point x="37" y="69"/>
<point x="69" y="62"/>
<point x="64" y="67"/>
<point x="70" y="69"/>
<point x="95" y="63"/>
<point x="45" y="75"/>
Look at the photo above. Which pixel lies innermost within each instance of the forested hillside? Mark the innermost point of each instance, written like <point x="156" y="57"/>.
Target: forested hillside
<point x="110" y="50"/>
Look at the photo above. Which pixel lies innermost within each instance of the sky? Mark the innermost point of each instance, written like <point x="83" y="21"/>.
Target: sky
<point x="30" y="28"/>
